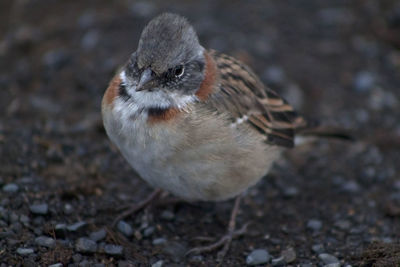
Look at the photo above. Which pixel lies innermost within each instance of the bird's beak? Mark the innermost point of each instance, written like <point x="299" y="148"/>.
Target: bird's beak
<point x="146" y="80"/>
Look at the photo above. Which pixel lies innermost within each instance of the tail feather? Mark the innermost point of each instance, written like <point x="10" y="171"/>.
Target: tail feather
<point x="326" y="132"/>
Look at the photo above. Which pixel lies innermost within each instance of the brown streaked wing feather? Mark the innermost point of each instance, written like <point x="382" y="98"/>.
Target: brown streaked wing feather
<point x="241" y="93"/>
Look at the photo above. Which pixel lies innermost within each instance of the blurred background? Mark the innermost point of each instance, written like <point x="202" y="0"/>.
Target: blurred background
<point x="335" y="61"/>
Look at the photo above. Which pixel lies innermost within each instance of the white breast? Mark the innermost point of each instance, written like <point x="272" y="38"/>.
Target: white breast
<point x="148" y="149"/>
<point x="196" y="157"/>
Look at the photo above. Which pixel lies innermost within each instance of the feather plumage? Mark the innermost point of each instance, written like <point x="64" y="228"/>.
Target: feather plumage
<point x="245" y="99"/>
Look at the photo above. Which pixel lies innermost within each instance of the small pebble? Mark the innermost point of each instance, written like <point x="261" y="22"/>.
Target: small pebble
<point x="295" y="95"/>
<point x="12" y="242"/>
<point x="68" y="209"/>
<point x="90" y="39"/>
<point x="315" y="225"/>
<point x="3" y="213"/>
<point x="387" y="240"/>
<point x="55" y="59"/>
<point x="38" y="221"/>
<point x="138" y="235"/>
<point x="397" y="185"/>
<point x="10" y="188"/>
<point x="148" y="231"/>
<point x="290" y="191"/>
<point x="328" y="258"/>
<point x="158" y="264"/>
<point x="167" y="215"/>
<point x="45" y="241"/>
<point x="56" y="265"/>
<point x="85" y="263"/>
<point x="258" y="256"/>
<point x="98" y="235"/>
<point x="86" y="20"/>
<point x="27" y="180"/>
<point x="60" y="227"/>
<point x="332" y="265"/>
<point x="338" y="180"/>
<point x="351" y="187"/>
<point x="318" y="248"/>
<point x="175" y="249"/>
<point x="125" y="228"/>
<point x="13" y="217"/>
<point x="159" y="241"/>
<point x="335" y="16"/>
<point x="357" y="230"/>
<point x="125" y="264"/>
<point x="289" y="255"/>
<point x="84" y="244"/>
<point x="37" y="231"/>
<point x="143" y="8"/>
<point x="65" y="242"/>
<point x="77" y="258"/>
<point x="40" y="209"/>
<point x="278" y="261"/>
<point x="364" y="81"/>
<point x="24" y="251"/>
<point x="275" y="241"/>
<point x="362" y="115"/>
<point x="381" y="98"/>
<point x="343" y="224"/>
<point x="24" y="219"/>
<point x="76" y="226"/>
<point x="6" y="234"/>
<point x="275" y="75"/>
<point x="197" y="258"/>
<point x="113" y="249"/>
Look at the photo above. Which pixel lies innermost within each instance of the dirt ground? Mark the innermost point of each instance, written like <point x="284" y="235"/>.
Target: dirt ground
<point x="61" y="181"/>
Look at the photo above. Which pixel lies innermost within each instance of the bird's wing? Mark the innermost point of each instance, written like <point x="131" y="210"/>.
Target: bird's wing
<point x="242" y="96"/>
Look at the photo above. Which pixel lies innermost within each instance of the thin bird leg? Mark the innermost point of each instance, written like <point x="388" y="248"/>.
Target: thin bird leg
<point x="138" y="206"/>
<point x="225" y="241"/>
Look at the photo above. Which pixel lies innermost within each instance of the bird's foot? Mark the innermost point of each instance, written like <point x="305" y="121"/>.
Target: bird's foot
<point x="223" y="242"/>
<point x="138" y="206"/>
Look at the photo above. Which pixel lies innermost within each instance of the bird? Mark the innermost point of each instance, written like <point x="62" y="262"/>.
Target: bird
<point x="195" y="122"/>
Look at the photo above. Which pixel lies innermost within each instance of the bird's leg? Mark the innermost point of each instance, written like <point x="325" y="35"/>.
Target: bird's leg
<point x="225" y="241"/>
<point x="138" y="206"/>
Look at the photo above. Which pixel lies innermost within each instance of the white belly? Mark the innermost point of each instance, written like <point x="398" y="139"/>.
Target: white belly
<point x="192" y="162"/>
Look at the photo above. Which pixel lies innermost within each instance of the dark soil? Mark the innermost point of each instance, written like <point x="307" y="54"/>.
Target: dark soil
<point x="336" y="61"/>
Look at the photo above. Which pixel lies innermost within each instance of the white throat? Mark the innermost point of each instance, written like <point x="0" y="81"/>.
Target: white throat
<point x="156" y="99"/>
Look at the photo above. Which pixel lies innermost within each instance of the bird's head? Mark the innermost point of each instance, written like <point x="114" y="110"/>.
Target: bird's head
<point x="168" y="66"/>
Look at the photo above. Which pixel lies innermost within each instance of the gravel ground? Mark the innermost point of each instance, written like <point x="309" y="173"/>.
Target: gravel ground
<point x="327" y="203"/>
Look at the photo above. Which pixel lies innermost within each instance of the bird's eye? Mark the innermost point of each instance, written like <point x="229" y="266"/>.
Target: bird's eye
<point x="178" y="71"/>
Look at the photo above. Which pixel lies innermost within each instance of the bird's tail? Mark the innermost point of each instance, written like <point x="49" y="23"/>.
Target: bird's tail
<point x="312" y="129"/>
<point x="327" y="132"/>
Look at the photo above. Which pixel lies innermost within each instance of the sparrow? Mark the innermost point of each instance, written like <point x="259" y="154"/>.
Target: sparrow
<point x="195" y="122"/>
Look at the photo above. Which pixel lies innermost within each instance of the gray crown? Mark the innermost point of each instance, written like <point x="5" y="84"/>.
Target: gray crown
<point x="168" y="40"/>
